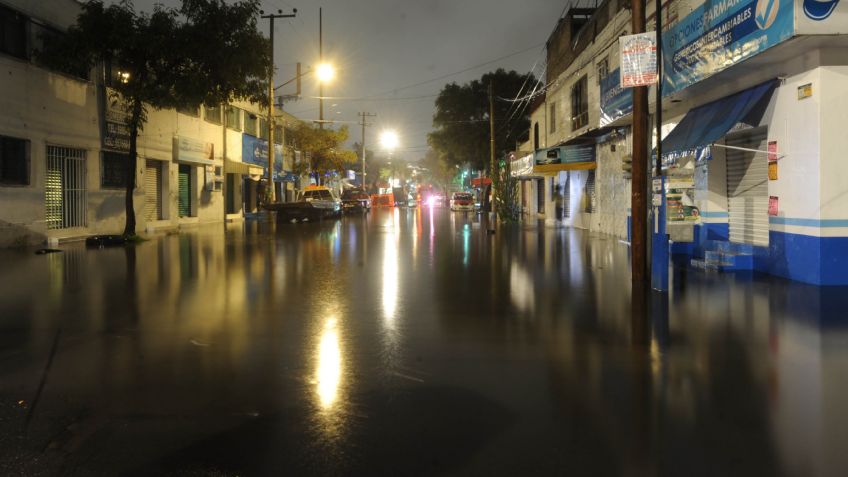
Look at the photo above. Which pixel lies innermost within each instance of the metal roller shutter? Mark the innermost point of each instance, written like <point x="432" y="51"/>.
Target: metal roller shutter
<point x="152" y="190"/>
<point x="184" y="191"/>
<point x="566" y="196"/>
<point x="747" y="188"/>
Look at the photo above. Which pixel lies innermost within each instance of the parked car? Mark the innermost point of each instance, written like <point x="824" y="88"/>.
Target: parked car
<point x="315" y="203"/>
<point x="355" y="200"/>
<point x="462" y="201"/>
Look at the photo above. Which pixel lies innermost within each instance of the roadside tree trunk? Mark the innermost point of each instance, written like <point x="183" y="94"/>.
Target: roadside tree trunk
<point x="135" y="119"/>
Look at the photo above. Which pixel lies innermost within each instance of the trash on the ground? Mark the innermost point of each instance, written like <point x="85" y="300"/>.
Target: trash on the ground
<point x="100" y="241"/>
<point x="45" y="251"/>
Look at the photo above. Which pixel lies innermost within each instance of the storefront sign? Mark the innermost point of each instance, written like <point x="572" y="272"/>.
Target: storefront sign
<point x="255" y="151"/>
<point x="772" y="171"/>
<point x="638" y="59"/>
<point x="821" y="17"/>
<point x="772" y="151"/>
<point x="522" y="166"/>
<point x="564" y="155"/>
<point x="187" y="149"/>
<point x="615" y="101"/>
<point x="116" y="134"/>
<point x="719" y="34"/>
<point x="805" y="91"/>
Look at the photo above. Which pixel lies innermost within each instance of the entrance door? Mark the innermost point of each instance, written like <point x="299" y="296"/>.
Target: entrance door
<point x="231" y="193"/>
<point x="64" y="189"/>
<point x="566" y="196"/>
<point x="540" y="196"/>
<point x="184" y="190"/>
<point x="152" y="190"/>
<point x="747" y="188"/>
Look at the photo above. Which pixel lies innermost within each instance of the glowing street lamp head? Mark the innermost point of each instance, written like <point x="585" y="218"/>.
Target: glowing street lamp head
<point x="389" y="140"/>
<point x="325" y="72"/>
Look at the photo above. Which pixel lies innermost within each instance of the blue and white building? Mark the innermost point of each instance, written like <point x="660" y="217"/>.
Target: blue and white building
<point x="755" y="95"/>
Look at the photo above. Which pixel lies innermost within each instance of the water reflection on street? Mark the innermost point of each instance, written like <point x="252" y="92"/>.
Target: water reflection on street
<point x="410" y="341"/>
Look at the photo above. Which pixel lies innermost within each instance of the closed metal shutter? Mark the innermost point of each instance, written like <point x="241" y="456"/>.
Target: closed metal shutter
<point x="566" y="196"/>
<point x="65" y="195"/>
<point x="747" y="188"/>
<point x="152" y="190"/>
<point x="184" y="191"/>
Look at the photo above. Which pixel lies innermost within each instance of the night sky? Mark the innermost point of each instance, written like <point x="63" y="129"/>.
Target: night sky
<point x="399" y="54"/>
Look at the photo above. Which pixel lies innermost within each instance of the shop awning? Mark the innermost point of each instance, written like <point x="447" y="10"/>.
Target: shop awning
<point x="707" y="124"/>
<point x="237" y="167"/>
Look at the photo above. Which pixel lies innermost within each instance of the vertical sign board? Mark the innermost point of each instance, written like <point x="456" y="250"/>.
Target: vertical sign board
<point x="116" y="134"/>
<point x="719" y="34"/>
<point x="616" y="101"/>
<point x="638" y="59"/>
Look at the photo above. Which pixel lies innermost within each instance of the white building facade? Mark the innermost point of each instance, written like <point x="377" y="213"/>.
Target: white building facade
<point x="64" y="148"/>
<point x="754" y="95"/>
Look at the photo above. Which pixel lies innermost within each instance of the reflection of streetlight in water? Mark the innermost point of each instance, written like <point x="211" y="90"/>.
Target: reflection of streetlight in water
<point x="329" y="372"/>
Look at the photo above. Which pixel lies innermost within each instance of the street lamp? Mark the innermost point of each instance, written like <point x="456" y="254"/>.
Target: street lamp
<point x="325" y="72"/>
<point x="389" y="140"/>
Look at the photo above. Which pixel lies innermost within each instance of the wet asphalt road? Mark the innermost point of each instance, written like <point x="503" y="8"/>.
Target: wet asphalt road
<point x="409" y="343"/>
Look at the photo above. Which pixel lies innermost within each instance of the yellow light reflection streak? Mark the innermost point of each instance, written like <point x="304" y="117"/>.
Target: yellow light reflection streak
<point x="329" y="373"/>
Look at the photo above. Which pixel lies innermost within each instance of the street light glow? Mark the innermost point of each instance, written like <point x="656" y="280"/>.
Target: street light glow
<point x="325" y="72"/>
<point x="389" y="140"/>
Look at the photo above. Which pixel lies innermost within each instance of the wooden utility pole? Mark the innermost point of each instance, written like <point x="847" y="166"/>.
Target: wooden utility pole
<point x="639" y="174"/>
<point x="271" y="17"/>
<point x="364" y="115"/>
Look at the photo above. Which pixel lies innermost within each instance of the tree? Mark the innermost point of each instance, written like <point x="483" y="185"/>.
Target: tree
<point x="462" y="118"/>
<point x="322" y="149"/>
<point x="439" y="170"/>
<point x="205" y="52"/>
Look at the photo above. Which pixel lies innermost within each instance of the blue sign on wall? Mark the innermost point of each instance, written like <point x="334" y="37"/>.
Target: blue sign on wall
<point x="615" y="100"/>
<point x="719" y="34"/>
<point x="255" y="151"/>
<point x="573" y="154"/>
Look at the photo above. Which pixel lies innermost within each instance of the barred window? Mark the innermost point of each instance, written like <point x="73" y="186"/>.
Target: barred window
<point x="113" y="170"/>
<point x="579" y="104"/>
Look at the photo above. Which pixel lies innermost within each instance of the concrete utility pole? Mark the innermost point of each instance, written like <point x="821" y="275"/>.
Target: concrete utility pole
<point x="364" y="115"/>
<point x="320" y="62"/>
<point x="492" y="171"/>
<point x="272" y="17"/>
<point x="639" y="186"/>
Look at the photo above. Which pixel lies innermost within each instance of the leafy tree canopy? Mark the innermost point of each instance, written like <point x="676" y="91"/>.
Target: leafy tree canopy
<point x="462" y="118"/>
<point x="322" y="148"/>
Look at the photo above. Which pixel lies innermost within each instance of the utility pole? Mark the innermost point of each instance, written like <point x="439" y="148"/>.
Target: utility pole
<point x="639" y="187"/>
<point x="272" y="17"/>
<point x="320" y="61"/>
<point x="492" y="170"/>
<point x="364" y="115"/>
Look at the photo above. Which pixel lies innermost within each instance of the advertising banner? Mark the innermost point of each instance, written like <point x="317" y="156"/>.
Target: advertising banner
<point x="564" y="155"/>
<point x="255" y="151"/>
<point x="615" y="101"/>
<point x="186" y="149"/>
<point x="638" y="59"/>
<point x="115" y="133"/>
<point x="719" y="34"/>
<point x="821" y="17"/>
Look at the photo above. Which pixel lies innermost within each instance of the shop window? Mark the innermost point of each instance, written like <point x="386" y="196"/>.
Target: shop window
<point x="13" y="33"/>
<point x="603" y="69"/>
<point x="263" y="129"/>
<point x="536" y="136"/>
<point x="552" y="119"/>
<point x="113" y="170"/>
<point x="250" y="123"/>
<point x="234" y="118"/>
<point x="213" y="115"/>
<point x="14" y="161"/>
<point x="579" y="104"/>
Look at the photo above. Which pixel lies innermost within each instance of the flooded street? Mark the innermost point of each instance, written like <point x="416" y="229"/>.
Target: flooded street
<point x="409" y="342"/>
